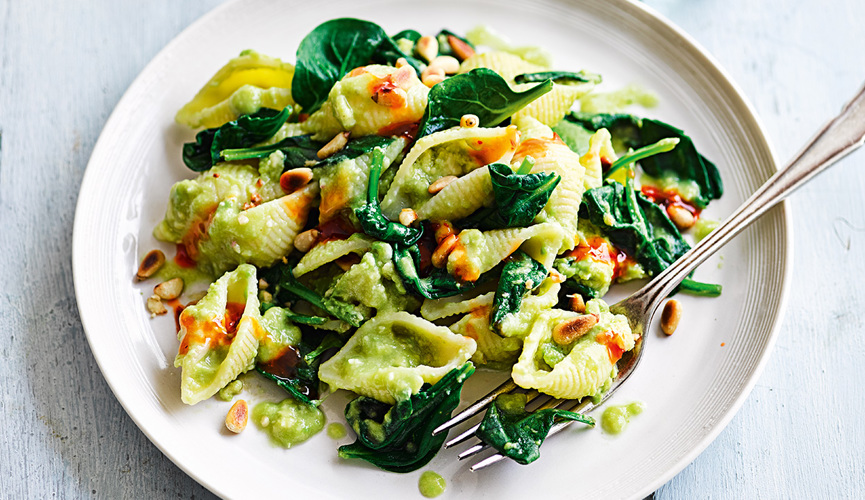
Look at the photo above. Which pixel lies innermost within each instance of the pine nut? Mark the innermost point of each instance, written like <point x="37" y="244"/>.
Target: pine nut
<point x="390" y="97"/>
<point x="441" y="183"/>
<point x="681" y="217"/>
<point x="168" y="290"/>
<point x="262" y="284"/>
<point x="670" y="316"/>
<point x="443" y="229"/>
<point x="294" y="179"/>
<point x="449" y="64"/>
<point x="576" y="303"/>
<point x="154" y="305"/>
<point x="336" y="144"/>
<point x="440" y="255"/>
<point x="153" y="261"/>
<point x="407" y="216"/>
<point x="461" y="49"/>
<point x="237" y="416"/>
<point x="304" y="241"/>
<point x="427" y="47"/>
<point x="569" y="331"/>
<point x="469" y="121"/>
<point x="432" y="80"/>
<point x="401" y="62"/>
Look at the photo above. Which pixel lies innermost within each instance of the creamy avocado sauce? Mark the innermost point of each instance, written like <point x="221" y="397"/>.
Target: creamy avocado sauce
<point x="189" y="274"/>
<point x="431" y="484"/>
<point x="289" y="422"/>
<point x="616" y="418"/>
<point x="233" y="388"/>
<point x="703" y="227"/>
<point x="336" y="431"/>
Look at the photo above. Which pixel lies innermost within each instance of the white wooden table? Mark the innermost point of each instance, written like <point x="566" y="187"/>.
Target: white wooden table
<point x="66" y="64"/>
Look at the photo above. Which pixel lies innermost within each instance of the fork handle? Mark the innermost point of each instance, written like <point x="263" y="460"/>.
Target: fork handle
<point x="839" y="137"/>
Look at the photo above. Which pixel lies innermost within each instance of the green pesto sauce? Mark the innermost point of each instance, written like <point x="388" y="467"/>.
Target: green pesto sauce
<point x="188" y="274"/>
<point x="431" y="484"/>
<point x="289" y="422"/>
<point x="233" y="388"/>
<point x="616" y="418"/>
<point x="703" y="227"/>
<point x="336" y="431"/>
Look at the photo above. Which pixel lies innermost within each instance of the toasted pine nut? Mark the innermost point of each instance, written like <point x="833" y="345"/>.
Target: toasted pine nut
<point x="294" y="179"/>
<point x="440" y="255"/>
<point x="154" y="305"/>
<point x="170" y="289"/>
<point x="304" y="241"/>
<point x="441" y="183"/>
<point x="404" y="78"/>
<point x="469" y="121"/>
<point x="237" y="416"/>
<point x="681" y="217"/>
<point x="262" y="284"/>
<point x="569" y="331"/>
<point x="443" y="229"/>
<point x="670" y="316"/>
<point x="401" y="62"/>
<point x="576" y="303"/>
<point x="427" y="47"/>
<point x="264" y="296"/>
<point x="432" y="80"/>
<point x="390" y="97"/>
<point x="449" y="64"/>
<point x="337" y="143"/>
<point x="153" y="261"/>
<point x="461" y="49"/>
<point x="407" y="216"/>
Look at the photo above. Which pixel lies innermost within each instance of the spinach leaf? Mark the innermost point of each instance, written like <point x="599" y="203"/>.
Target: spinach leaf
<point x="481" y="92"/>
<point x="372" y="221"/>
<point x="519" y="198"/>
<point x="388" y="52"/>
<point x="518" y="434"/>
<point x="519" y="277"/>
<point x="683" y="163"/>
<point x="398" y="438"/>
<point x="642" y="154"/>
<point x="700" y="289"/>
<point x="437" y="285"/>
<point x="333" y="49"/>
<point x="447" y="39"/>
<point x="241" y="133"/>
<point x="299" y="151"/>
<point x="559" y="77"/>
<point x="296" y="370"/>
<point x="287" y="287"/>
<point x="357" y="147"/>
<point x="635" y="224"/>
<point x="412" y="35"/>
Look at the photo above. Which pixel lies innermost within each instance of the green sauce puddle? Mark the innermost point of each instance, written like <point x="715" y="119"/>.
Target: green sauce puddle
<point x="336" y="431"/>
<point x="616" y="418"/>
<point x="431" y="484"/>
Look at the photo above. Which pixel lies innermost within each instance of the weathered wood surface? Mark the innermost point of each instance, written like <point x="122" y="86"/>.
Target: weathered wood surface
<point x="66" y="64"/>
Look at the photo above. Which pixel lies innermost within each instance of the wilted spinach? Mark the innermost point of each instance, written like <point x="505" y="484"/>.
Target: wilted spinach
<point x="240" y="133"/>
<point x="357" y="147"/>
<point x="372" y="221"/>
<point x="518" y="434"/>
<point x="298" y="150"/>
<point x="296" y="370"/>
<point x="481" y="92"/>
<point x="288" y="288"/>
<point x="333" y="49"/>
<point x="559" y="77"/>
<point x="437" y="285"/>
<point x="683" y="163"/>
<point x="398" y="438"/>
<point x="519" y="197"/>
<point x="520" y="276"/>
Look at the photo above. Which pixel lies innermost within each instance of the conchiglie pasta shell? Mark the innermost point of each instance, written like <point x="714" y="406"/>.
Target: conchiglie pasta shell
<point x="460" y="198"/>
<point x="329" y="251"/>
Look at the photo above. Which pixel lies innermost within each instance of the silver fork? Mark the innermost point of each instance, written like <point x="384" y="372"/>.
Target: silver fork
<point x="839" y="137"/>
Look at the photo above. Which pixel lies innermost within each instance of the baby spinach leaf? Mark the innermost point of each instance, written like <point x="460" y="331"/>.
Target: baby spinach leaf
<point x="372" y="220"/>
<point x="642" y="154"/>
<point x="520" y="276"/>
<point x="398" y="438"/>
<point x="298" y="150"/>
<point x="357" y="147"/>
<point x="437" y="285"/>
<point x="519" y="198"/>
<point x="559" y="77"/>
<point x="287" y="288"/>
<point x="684" y="162"/>
<point x="388" y="52"/>
<point x="411" y="35"/>
<point x="518" y="434"/>
<point x="700" y="289"/>
<point x="241" y="133"/>
<point x="333" y="49"/>
<point x="481" y="92"/>
<point x="296" y="370"/>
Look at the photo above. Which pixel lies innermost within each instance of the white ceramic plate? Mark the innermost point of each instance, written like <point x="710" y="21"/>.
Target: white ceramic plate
<point x="692" y="383"/>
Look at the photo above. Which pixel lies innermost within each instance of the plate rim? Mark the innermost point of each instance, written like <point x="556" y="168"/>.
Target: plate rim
<point x="690" y="44"/>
